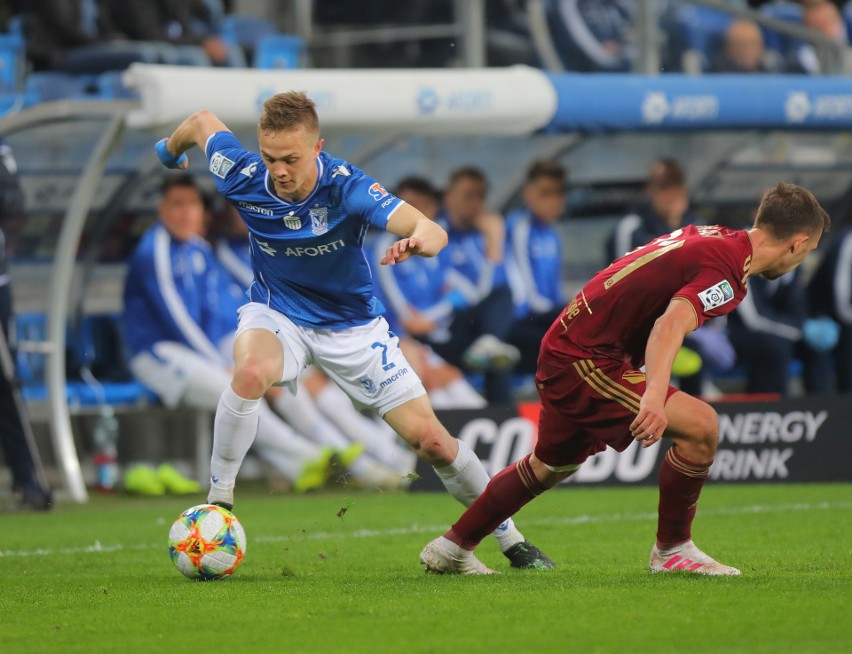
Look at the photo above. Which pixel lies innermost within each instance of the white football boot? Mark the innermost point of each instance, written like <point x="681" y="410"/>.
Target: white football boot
<point x="686" y="557"/>
<point x="442" y="556"/>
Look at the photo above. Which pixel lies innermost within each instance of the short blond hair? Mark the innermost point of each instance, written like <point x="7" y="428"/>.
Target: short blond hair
<point x="289" y="111"/>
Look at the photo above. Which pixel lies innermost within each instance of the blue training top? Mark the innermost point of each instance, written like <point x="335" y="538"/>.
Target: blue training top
<point x="307" y="257"/>
<point x="533" y="264"/>
<point x="172" y="292"/>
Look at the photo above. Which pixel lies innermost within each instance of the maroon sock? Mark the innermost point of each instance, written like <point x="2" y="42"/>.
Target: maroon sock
<point x="680" y="485"/>
<point x="505" y="494"/>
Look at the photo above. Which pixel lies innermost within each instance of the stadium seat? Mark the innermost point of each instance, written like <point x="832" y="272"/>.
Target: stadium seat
<point x="48" y="86"/>
<point x="97" y="345"/>
<point x="245" y="31"/>
<point x="15" y="25"/>
<point x="279" y="51"/>
<point x="110" y="86"/>
<point x="11" y="62"/>
<point x="103" y="57"/>
<point x="191" y="55"/>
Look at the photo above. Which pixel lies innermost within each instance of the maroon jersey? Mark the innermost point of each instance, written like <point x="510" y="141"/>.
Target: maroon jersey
<point x="614" y="313"/>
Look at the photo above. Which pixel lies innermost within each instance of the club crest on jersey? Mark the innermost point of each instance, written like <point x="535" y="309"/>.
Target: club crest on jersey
<point x="220" y="165"/>
<point x="319" y="220"/>
<point x="377" y="191"/>
<point x="292" y="222"/>
<point x="369" y="386"/>
<point x="717" y="295"/>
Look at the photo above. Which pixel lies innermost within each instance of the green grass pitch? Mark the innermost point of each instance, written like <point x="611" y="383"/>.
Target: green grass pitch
<point x="98" y="578"/>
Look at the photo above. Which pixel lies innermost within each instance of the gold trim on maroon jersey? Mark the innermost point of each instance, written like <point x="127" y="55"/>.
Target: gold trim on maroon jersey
<point x="641" y="261"/>
<point x="634" y="376"/>
<point x="746" y="268"/>
<point x="605" y="386"/>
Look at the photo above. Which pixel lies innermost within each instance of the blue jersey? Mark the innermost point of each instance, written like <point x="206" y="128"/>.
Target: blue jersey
<point x="534" y="264"/>
<point x="172" y="293"/>
<point x="307" y="256"/>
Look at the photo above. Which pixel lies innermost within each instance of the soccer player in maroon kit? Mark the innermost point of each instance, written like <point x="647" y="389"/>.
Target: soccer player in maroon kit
<point x="604" y="369"/>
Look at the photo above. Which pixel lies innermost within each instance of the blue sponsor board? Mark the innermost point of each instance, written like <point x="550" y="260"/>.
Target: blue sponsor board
<point x="610" y="103"/>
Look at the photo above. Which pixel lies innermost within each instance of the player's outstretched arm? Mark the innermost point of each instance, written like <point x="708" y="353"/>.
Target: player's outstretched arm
<point x="195" y="130"/>
<point x="419" y="236"/>
<point x="663" y="344"/>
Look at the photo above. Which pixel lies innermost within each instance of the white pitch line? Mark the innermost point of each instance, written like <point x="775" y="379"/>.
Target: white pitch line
<point x="97" y="547"/>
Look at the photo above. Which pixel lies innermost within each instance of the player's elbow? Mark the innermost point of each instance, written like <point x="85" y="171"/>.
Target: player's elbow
<point x="202" y="116"/>
<point x="436" y="240"/>
<point x="443" y="237"/>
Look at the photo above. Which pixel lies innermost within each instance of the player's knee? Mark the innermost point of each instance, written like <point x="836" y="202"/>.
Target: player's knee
<point x="706" y="437"/>
<point x="432" y="443"/>
<point x="251" y="380"/>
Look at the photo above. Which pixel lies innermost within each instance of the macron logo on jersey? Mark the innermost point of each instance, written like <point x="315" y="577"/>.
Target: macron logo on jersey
<point x="249" y="170"/>
<point x="717" y="295"/>
<point x="340" y="170"/>
<point x="377" y="192"/>
<point x="220" y="164"/>
<point x="248" y="206"/>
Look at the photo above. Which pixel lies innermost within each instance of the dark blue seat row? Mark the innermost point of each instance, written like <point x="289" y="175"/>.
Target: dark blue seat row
<point x="96" y="346"/>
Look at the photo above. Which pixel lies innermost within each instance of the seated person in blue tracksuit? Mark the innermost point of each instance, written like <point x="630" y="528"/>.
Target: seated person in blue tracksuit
<point x="534" y="259"/>
<point x="474" y="266"/>
<point x="178" y="334"/>
<point x="770" y="327"/>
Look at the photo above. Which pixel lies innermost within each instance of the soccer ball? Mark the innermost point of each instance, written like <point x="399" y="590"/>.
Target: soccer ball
<point x="207" y="542"/>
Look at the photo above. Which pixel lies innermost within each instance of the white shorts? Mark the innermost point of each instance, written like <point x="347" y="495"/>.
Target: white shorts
<point x="365" y="361"/>
<point x="178" y="374"/>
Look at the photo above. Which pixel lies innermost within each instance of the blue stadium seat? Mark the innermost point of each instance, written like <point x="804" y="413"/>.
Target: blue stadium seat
<point x="279" y="51"/>
<point x="47" y="86"/>
<point x="103" y="57"/>
<point x="192" y="55"/>
<point x="15" y="25"/>
<point x="244" y="30"/>
<point x="98" y="345"/>
<point x="110" y="86"/>
<point x="11" y="62"/>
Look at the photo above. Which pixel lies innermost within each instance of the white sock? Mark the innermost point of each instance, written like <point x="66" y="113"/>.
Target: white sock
<point x="456" y="551"/>
<point x="465" y="479"/>
<point x="378" y="439"/>
<point x="234" y="429"/>
<point x="282" y="447"/>
<point x="302" y="414"/>
<point x="464" y="396"/>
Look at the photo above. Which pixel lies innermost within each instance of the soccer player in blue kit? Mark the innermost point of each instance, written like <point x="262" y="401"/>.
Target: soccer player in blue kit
<point x="312" y="300"/>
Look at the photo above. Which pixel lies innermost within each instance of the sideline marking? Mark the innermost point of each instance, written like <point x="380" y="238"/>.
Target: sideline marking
<point x="97" y="547"/>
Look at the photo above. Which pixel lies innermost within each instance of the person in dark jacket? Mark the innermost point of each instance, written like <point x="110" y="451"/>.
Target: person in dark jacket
<point x="30" y="492"/>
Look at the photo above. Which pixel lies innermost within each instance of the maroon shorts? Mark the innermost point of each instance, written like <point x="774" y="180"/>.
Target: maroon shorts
<point x="586" y="405"/>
